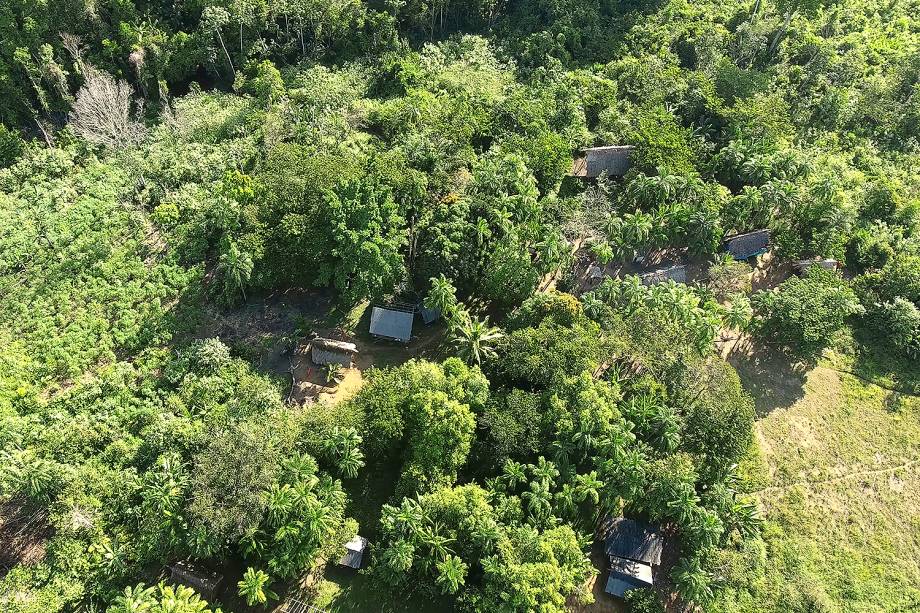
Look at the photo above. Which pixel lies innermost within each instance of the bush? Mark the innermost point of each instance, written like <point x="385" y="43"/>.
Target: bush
<point x="643" y="600"/>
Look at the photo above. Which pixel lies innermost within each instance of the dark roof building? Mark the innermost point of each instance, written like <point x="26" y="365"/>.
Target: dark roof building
<point x="744" y="246"/>
<point x="428" y="315"/>
<point x="392" y="324"/>
<point x="354" y="552"/>
<point x="202" y="580"/>
<point x="678" y="274"/>
<point x="632" y="540"/>
<point x="328" y="351"/>
<point x="633" y="549"/>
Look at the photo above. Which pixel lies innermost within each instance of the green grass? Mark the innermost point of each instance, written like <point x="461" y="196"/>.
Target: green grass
<point x="838" y="474"/>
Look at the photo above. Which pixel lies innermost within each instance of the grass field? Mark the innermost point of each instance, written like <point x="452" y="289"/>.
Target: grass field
<point x="837" y="472"/>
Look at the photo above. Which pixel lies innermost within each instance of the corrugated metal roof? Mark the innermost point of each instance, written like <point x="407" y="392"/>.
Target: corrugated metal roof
<point x="630" y="570"/>
<point x="428" y="315"/>
<point x="324" y="356"/>
<point x="396" y="325"/>
<point x="634" y="541"/>
<point x="744" y="246"/>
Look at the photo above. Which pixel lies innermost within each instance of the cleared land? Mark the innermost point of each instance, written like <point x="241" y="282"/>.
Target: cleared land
<point x="838" y="478"/>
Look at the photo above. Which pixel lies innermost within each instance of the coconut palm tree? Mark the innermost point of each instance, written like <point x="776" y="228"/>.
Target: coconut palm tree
<point x="451" y="574"/>
<point x="234" y="267"/>
<point x="513" y="473"/>
<point x="474" y="338"/>
<point x="442" y="296"/>
<point x="253" y="587"/>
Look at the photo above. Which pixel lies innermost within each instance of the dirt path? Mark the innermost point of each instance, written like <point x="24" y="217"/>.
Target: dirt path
<point x="853" y="475"/>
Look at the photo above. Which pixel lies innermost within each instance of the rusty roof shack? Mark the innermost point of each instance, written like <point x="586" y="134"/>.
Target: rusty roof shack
<point x="329" y="351"/>
<point x="748" y="245"/>
<point x="633" y="549"/>
<point x="613" y="159"/>
<point x="205" y="582"/>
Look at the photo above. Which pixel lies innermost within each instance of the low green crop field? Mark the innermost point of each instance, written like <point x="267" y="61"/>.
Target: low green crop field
<point x="838" y="477"/>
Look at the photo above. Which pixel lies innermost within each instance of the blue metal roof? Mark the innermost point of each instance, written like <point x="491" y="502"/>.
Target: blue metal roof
<point x="387" y="323"/>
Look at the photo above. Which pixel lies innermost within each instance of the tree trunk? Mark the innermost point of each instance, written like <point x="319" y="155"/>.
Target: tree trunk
<point x="227" y="54"/>
<point x="781" y="34"/>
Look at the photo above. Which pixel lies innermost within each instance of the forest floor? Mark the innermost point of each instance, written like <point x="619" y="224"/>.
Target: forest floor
<point x="837" y="474"/>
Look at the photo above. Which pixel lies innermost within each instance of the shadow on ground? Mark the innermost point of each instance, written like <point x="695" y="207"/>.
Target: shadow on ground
<point x="771" y="377"/>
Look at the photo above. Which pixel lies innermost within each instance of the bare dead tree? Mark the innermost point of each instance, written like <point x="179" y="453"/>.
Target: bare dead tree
<point x="102" y="112"/>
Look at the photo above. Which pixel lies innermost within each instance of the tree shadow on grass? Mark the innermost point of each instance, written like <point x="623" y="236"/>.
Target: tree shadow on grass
<point x="884" y="366"/>
<point x="775" y="380"/>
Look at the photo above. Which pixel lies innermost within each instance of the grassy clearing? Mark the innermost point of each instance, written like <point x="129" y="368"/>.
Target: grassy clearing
<point x="838" y="474"/>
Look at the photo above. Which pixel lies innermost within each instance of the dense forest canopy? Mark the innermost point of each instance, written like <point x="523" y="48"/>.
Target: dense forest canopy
<point x="166" y="163"/>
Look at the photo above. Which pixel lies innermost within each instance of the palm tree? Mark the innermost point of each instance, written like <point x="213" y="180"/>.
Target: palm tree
<point x="545" y="471"/>
<point x="482" y="231"/>
<point x="738" y="313"/>
<point x="138" y="599"/>
<point x="253" y="587"/>
<point x="692" y="581"/>
<point x="442" y="296"/>
<point x="514" y="474"/>
<point x="474" y="338"/>
<point x="451" y="574"/>
<point x="350" y="462"/>
<point x="538" y="499"/>
<point x="235" y="267"/>
<point x="398" y="557"/>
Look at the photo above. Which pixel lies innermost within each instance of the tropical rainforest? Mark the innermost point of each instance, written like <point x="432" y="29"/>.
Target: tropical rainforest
<point x="165" y="161"/>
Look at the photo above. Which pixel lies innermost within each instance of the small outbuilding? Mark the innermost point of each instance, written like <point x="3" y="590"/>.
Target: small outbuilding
<point x="677" y="273"/>
<point x="391" y="323"/>
<point x="205" y="582"/>
<point x="826" y="263"/>
<point x="613" y="159"/>
<point x="749" y="245"/>
<point x="633" y="549"/>
<point x="328" y="351"/>
<point x="428" y="315"/>
<point x="354" y="552"/>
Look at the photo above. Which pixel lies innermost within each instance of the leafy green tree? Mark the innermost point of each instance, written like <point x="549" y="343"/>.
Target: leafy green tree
<point x="804" y="313"/>
<point x="366" y="235"/>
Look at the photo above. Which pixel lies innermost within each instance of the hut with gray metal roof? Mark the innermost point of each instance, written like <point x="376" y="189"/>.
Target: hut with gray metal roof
<point x="354" y="552"/>
<point x="633" y="549"/>
<point x="748" y="245"/>
<point x="392" y="323"/>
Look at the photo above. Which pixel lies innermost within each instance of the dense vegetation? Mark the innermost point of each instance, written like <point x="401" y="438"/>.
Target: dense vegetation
<point x="159" y="161"/>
